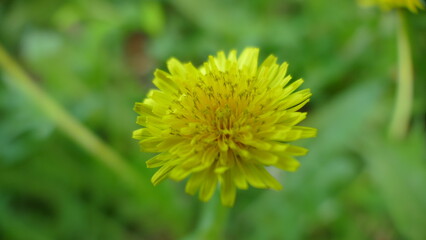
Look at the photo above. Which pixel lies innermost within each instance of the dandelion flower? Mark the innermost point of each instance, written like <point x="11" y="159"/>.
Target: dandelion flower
<point x="412" y="5"/>
<point x="223" y="123"/>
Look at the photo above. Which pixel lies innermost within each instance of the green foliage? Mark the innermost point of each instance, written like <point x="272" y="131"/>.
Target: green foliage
<point x="96" y="58"/>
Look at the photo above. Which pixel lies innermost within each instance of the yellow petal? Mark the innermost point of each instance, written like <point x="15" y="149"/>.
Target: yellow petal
<point x="287" y="163"/>
<point x="307" y="132"/>
<point x="227" y="190"/>
<point x="208" y="186"/>
<point x="296" y="151"/>
<point x="157" y="161"/>
<point x="264" y="157"/>
<point x="194" y="182"/>
<point x="143" y="108"/>
<point x="161" y="174"/>
<point x="175" y="67"/>
<point x="248" y="59"/>
<point x="179" y="173"/>
<point x="164" y="83"/>
<point x="266" y="177"/>
<point x="149" y="144"/>
<point x="141" y="133"/>
<point x="296" y="98"/>
<point x="259" y="144"/>
<point x="251" y="176"/>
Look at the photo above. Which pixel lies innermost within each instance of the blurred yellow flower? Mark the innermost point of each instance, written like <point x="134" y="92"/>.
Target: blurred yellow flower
<point x="412" y="5"/>
<point x="223" y="123"/>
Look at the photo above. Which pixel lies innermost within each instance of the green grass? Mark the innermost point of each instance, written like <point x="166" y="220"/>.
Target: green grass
<point x="94" y="59"/>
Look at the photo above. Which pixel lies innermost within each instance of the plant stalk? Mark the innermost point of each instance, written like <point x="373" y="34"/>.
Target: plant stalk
<point x="404" y="92"/>
<point x="212" y="221"/>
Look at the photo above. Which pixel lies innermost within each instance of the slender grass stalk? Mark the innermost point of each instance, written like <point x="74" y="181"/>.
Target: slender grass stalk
<point x="404" y="93"/>
<point x="65" y="122"/>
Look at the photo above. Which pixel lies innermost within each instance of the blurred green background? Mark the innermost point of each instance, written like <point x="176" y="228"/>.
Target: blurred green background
<point x="96" y="58"/>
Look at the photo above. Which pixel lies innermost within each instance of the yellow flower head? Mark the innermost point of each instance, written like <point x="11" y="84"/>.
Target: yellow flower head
<point x="223" y="123"/>
<point x="412" y="5"/>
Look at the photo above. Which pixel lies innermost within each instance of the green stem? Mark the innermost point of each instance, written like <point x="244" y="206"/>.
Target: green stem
<point x="404" y="95"/>
<point x="65" y="122"/>
<point x="212" y="221"/>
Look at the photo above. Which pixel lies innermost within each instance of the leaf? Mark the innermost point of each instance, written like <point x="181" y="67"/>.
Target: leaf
<point x="399" y="171"/>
